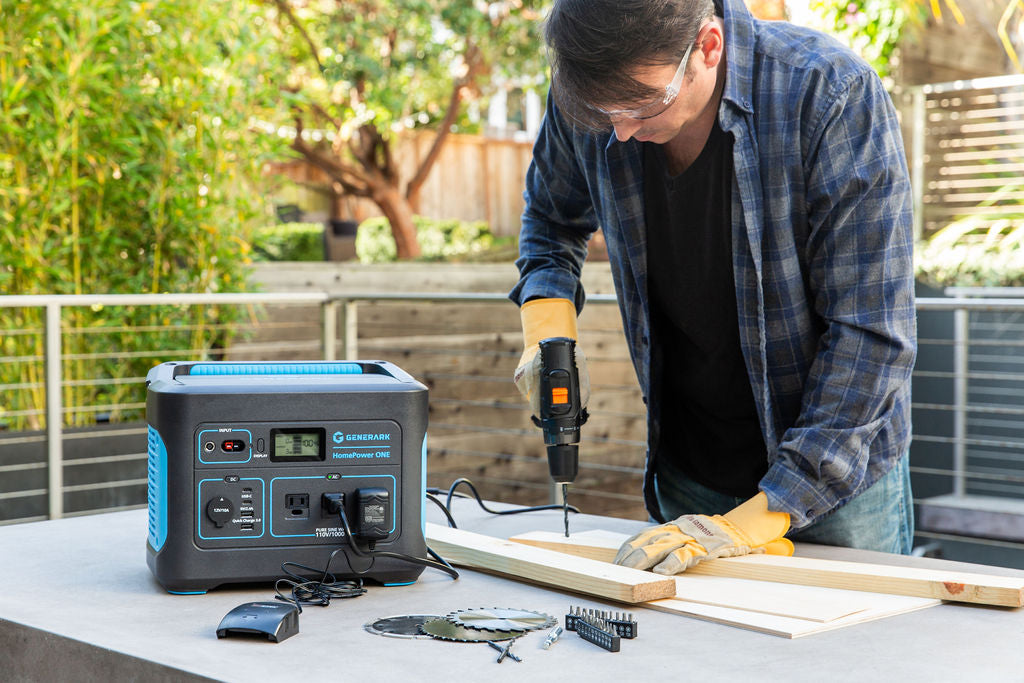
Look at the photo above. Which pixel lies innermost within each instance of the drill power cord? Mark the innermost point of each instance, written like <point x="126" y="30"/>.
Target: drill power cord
<point x="447" y="506"/>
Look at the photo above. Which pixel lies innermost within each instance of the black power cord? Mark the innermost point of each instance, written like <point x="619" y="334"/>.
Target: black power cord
<point x="321" y="591"/>
<point x="437" y="563"/>
<point x="447" y="505"/>
<point x="304" y="591"/>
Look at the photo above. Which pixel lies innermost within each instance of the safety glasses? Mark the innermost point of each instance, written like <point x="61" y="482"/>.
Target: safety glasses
<point x="657" y="107"/>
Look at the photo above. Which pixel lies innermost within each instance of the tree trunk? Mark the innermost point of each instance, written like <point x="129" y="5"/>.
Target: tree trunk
<point x="399" y="214"/>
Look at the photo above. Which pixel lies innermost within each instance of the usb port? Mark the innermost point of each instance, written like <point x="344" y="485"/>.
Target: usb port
<point x="247" y="526"/>
<point x="247" y="513"/>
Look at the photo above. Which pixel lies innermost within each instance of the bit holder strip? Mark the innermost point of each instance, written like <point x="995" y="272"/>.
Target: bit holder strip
<point x="599" y="633"/>
<point x="623" y="623"/>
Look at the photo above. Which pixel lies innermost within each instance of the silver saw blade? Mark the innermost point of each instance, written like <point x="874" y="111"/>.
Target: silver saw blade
<point x="501" y="619"/>
<point x="401" y="626"/>
<point x="444" y="629"/>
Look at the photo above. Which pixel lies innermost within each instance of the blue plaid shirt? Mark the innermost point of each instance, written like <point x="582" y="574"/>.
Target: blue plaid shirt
<point x="822" y="255"/>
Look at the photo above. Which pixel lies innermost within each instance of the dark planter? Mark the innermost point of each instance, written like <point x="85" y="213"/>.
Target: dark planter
<point x="340" y="240"/>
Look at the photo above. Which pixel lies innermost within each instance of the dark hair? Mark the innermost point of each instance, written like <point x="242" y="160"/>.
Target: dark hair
<point x="593" y="44"/>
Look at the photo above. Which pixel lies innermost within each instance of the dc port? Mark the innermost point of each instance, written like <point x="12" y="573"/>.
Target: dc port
<point x="208" y="446"/>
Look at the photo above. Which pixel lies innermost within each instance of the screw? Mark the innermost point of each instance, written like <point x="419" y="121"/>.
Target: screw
<point x="505" y="651"/>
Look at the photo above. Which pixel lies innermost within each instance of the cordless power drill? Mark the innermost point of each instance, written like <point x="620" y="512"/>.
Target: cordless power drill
<point x="561" y="412"/>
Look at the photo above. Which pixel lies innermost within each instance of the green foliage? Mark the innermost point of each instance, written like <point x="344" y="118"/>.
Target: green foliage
<point x="394" y="62"/>
<point x="125" y="164"/>
<point x="871" y="27"/>
<point x="289" y="242"/>
<point x="972" y="253"/>
<point x="441" y="240"/>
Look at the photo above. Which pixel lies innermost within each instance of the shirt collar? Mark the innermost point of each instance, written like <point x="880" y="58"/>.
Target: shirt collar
<point x="739" y="54"/>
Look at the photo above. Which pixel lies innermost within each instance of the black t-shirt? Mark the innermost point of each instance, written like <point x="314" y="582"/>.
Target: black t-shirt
<point x="709" y="424"/>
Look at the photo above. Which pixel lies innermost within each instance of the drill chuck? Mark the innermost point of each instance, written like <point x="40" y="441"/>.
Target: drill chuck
<point x="563" y="463"/>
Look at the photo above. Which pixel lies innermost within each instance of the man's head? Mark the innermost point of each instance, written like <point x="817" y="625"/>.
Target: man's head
<point x="615" y="60"/>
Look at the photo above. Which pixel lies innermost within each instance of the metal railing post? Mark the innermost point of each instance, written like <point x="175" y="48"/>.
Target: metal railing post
<point x="54" y="412"/>
<point x="329" y="316"/>
<point x="960" y="369"/>
<point x="349" y="329"/>
<point x="917" y="152"/>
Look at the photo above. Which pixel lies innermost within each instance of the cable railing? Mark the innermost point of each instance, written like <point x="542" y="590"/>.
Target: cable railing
<point x="479" y="421"/>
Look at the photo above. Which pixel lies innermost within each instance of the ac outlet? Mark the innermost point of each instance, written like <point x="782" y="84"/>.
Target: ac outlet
<point x="297" y="505"/>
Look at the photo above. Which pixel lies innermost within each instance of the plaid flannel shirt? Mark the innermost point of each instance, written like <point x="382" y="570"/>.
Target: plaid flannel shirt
<point x="822" y="256"/>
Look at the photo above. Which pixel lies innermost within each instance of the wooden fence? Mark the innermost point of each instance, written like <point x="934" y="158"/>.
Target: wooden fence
<point x="480" y="427"/>
<point x="475" y="179"/>
<point x="965" y="143"/>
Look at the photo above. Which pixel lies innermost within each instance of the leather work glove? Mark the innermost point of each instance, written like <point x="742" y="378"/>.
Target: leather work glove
<point x="542" y="319"/>
<point x="674" y="547"/>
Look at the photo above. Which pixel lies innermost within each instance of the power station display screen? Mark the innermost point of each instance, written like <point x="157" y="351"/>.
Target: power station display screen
<point x="296" y="444"/>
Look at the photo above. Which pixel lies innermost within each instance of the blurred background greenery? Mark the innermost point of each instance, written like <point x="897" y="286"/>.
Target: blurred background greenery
<point x="139" y="140"/>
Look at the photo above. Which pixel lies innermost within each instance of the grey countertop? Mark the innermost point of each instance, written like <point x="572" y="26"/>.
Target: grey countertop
<point x="78" y="603"/>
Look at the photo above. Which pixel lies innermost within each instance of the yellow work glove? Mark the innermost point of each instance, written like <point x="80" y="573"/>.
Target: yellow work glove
<point x="543" y="319"/>
<point x="674" y="547"/>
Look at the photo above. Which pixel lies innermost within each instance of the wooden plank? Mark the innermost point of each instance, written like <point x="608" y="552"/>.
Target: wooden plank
<point x="789" y="627"/>
<point x="967" y="587"/>
<point x="810" y="603"/>
<point x="548" y="567"/>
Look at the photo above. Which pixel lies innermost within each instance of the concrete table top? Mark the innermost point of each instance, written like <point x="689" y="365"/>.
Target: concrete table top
<point x="78" y="603"/>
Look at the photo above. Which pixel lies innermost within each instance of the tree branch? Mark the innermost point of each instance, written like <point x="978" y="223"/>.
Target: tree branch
<point x="284" y="8"/>
<point x="355" y="181"/>
<point x="475" y="67"/>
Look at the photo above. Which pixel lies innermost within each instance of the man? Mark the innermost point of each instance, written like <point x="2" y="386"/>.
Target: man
<point x="750" y="181"/>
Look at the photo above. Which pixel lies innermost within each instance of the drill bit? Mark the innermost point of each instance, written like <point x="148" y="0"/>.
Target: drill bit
<point x="565" y="507"/>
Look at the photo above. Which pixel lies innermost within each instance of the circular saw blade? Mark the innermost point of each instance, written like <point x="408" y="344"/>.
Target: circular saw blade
<point x="401" y="626"/>
<point x="501" y="619"/>
<point x="444" y="629"/>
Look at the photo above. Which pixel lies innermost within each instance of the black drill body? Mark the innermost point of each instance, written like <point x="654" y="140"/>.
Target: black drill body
<point x="561" y="412"/>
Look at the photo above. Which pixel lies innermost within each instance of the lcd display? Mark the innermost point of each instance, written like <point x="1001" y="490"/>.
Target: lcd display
<point x="297" y="444"/>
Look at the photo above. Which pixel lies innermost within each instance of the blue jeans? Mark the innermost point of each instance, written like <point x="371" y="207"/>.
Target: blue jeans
<point x="881" y="518"/>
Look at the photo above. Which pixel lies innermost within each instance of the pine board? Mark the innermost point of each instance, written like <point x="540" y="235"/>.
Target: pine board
<point x="909" y="581"/>
<point x="821" y="605"/>
<point x="548" y="567"/>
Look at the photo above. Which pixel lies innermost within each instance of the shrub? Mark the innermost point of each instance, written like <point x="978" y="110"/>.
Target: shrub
<point x="967" y="253"/>
<point x="440" y="239"/>
<point x="289" y="242"/>
<point x="127" y="161"/>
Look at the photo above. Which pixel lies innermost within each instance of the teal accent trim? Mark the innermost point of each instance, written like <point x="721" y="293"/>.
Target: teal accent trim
<point x="187" y="592"/>
<point x="423" y="486"/>
<point x="406" y="583"/>
<point x="156" y="488"/>
<point x="276" y="369"/>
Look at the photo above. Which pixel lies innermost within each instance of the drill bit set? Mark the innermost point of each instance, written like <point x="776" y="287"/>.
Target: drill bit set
<point x="601" y="627"/>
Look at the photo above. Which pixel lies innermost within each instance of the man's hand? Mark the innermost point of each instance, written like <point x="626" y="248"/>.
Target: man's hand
<point x="674" y="547"/>
<point x="543" y="319"/>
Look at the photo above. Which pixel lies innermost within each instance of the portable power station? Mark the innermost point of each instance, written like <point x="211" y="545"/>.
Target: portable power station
<point x="248" y="463"/>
